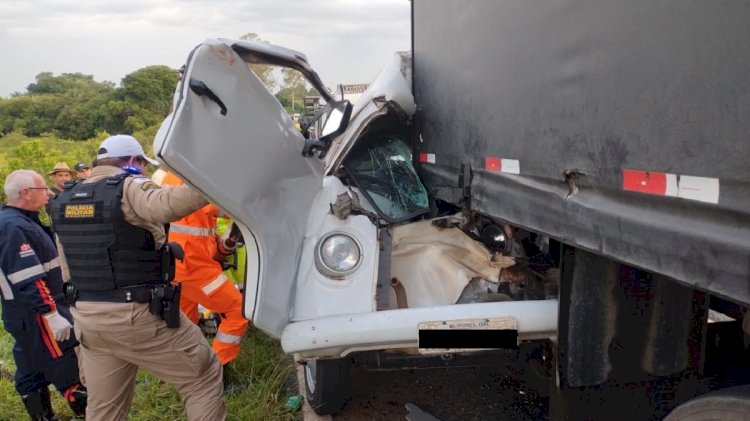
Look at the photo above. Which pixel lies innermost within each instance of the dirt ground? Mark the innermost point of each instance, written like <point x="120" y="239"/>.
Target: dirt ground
<point x="461" y="393"/>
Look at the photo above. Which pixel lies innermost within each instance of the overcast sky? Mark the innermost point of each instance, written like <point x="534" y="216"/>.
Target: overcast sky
<point x="346" y="41"/>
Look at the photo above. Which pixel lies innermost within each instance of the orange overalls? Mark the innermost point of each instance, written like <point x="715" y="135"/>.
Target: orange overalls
<point x="203" y="281"/>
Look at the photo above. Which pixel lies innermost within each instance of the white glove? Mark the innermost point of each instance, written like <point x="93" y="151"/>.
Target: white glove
<point x="59" y="325"/>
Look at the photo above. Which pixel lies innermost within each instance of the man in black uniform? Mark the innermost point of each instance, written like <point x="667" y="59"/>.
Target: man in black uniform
<point x="32" y="301"/>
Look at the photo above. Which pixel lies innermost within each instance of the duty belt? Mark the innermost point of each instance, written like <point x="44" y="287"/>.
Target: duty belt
<point x="124" y="295"/>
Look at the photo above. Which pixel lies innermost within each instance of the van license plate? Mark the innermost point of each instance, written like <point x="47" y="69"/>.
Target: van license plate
<point x="468" y="335"/>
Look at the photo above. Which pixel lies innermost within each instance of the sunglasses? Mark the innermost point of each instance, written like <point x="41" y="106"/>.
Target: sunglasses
<point x="37" y="188"/>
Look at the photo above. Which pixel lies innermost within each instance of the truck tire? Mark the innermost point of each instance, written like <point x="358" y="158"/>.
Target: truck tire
<point x="731" y="404"/>
<point x="327" y="385"/>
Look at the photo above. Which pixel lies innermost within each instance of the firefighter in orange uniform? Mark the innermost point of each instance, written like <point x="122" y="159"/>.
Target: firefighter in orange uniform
<point x="203" y="280"/>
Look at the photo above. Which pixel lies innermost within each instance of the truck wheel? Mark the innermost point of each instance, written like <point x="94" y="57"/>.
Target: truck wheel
<point x="732" y="404"/>
<point x="327" y="384"/>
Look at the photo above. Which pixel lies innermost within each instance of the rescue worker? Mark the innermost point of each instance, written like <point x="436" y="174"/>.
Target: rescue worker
<point x="202" y="276"/>
<point x="34" y="312"/>
<point x="235" y="266"/>
<point x="111" y="232"/>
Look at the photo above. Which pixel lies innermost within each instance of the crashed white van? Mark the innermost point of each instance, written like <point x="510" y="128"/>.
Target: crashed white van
<point x="346" y="258"/>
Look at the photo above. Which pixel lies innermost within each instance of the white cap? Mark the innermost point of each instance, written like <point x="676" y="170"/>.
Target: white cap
<point x="122" y="145"/>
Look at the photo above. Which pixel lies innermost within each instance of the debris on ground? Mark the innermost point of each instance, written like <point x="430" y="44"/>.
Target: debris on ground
<point x="415" y="413"/>
<point x="294" y="403"/>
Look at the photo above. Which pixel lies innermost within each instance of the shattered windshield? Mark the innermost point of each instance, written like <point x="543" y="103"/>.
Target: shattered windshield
<point x="382" y="168"/>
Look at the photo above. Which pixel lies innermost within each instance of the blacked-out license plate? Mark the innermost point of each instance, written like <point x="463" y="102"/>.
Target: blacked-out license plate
<point x="468" y="334"/>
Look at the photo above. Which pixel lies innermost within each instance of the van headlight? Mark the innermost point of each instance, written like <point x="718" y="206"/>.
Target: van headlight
<point x="337" y="255"/>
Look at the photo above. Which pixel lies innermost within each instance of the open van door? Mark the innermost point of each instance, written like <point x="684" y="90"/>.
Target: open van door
<point x="230" y="138"/>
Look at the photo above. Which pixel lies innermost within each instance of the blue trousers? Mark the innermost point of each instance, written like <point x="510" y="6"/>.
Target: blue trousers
<point x="40" y="360"/>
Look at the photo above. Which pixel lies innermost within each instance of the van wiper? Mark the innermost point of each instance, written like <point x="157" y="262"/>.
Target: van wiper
<point x="201" y="89"/>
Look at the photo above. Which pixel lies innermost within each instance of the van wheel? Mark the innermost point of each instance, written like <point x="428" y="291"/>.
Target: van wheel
<point x="731" y="404"/>
<point x="327" y="384"/>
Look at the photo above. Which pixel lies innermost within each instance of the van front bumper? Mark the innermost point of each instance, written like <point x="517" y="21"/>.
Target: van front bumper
<point x="336" y="336"/>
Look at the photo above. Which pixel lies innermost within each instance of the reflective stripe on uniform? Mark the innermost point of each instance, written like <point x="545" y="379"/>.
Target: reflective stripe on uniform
<point x="187" y="229"/>
<point x="5" y="287"/>
<point x="24" y="274"/>
<point x="54" y="263"/>
<point x="227" y="338"/>
<point x="215" y="284"/>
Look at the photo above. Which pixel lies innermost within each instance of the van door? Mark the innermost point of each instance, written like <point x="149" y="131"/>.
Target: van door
<point x="230" y="138"/>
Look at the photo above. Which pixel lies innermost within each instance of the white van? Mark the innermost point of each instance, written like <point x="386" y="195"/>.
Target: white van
<point x="345" y="255"/>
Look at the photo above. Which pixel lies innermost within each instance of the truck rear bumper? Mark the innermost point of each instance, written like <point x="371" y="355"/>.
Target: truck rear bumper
<point x="341" y="335"/>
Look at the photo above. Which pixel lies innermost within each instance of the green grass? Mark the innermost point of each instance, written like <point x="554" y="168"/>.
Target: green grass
<point x="261" y="375"/>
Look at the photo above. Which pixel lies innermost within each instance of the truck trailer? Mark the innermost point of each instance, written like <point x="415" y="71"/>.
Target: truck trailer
<point x="621" y="131"/>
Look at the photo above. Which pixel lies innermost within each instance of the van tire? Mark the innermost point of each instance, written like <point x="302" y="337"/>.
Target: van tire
<point x="731" y="404"/>
<point x="327" y="384"/>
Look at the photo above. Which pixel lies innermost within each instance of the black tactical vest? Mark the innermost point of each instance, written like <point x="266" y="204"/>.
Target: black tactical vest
<point x="103" y="251"/>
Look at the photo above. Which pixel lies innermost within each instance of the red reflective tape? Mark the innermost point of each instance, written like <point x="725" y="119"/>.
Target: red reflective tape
<point x="427" y="157"/>
<point x="47" y="337"/>
<point x="644" y="181"/>
<point x="493" y="164"/>
<point x="702" y="189"/>
<point x="69" y="393"/>
<point x="44" y="293"/>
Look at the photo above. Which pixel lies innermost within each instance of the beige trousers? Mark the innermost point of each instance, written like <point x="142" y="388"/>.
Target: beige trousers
<point x="117" y="338"/>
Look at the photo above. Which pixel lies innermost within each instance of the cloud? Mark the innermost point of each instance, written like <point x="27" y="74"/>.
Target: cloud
<point x="345" y="40"/>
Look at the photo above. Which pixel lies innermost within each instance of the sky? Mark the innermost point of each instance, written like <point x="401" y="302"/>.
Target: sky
<point x="345" y="41"/>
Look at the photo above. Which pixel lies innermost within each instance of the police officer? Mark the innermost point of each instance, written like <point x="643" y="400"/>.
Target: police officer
<point x="32" y="301"/>
<point x="111" y="231"/>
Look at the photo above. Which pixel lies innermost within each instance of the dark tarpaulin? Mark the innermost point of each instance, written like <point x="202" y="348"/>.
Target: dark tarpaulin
<point x="592" y="87"/>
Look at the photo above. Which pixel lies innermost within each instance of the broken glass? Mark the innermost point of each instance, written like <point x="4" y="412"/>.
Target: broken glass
<point x="382" y="169"/>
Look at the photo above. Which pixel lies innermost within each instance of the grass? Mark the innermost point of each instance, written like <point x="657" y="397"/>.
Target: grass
<point x="260" y="373"/>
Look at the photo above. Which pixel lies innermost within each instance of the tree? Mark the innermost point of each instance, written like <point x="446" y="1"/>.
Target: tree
<point x="143" y="100"/>
<point x="263" y="71"/>
<point x="293" y="90"/>
<point x="83" y="118"/>
<point x="68" y="84"/>
<point x="66" y="105"/>
<point x="75" y="106"/>
<point x="41" y="154"/>
<point x="38" y="114"/>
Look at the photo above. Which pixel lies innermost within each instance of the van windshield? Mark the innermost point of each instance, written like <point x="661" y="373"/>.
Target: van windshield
<point x="381" y="167"/>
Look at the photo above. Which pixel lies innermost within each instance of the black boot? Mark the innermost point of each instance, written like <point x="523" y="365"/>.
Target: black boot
<point x="225" y="377"/>
<point x="38" y="405"/>
<point x="231" y="383"/>
<point x="77" y="400"/>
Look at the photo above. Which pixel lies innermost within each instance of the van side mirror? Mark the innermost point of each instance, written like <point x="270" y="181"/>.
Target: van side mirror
<point x="334" y="118"/>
